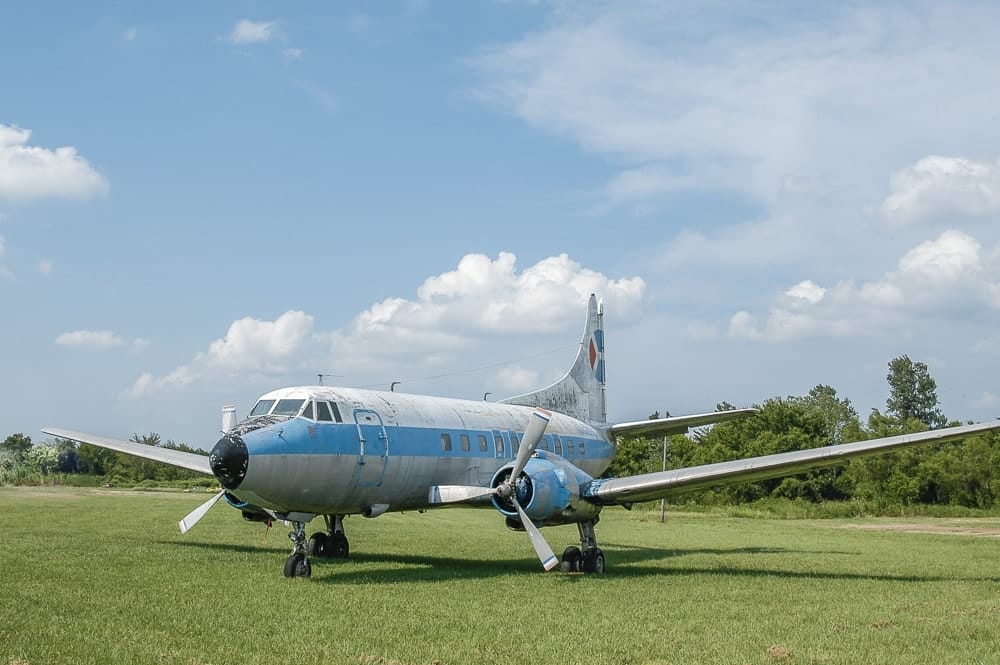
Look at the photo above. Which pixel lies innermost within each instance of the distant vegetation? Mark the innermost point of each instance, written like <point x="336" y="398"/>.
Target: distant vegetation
<point x="964" y="474"/>
<point x="64" y="462"/>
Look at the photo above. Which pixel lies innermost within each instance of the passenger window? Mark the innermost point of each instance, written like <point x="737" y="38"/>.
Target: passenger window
<point x="446" y="442"/>
<point x="515" y="444"/>
<point x="308" y="411"/>
<point x="498" y="441"/>
<point x="336" y="412"/>
<point x="483" y="445"/>
<point x="323" y="411"/>
<point x="558" y="449"/>
<point x="569" y="449"/>
<point x="582" y="451"/>
<point x="464" y="438"/>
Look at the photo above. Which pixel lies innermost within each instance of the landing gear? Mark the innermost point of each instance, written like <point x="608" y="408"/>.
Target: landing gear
<point x="330" y="545"/>
<point x="297" y="564"/>
<point x="588" y="558"/>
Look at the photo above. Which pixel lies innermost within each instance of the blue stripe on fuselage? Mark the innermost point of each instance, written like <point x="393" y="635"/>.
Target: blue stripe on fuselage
<point x="299" y="436"/>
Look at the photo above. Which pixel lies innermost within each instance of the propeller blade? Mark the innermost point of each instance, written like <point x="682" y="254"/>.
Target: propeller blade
<point x="532" y="435"/>
<point x="195" y="515"/>
<point x="457" y="493"/>
<point x="542" y="549"/>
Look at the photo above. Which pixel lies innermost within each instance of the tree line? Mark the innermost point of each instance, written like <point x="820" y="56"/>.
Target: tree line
<point x="965" y="473"/>
<point x="23" y="462"/>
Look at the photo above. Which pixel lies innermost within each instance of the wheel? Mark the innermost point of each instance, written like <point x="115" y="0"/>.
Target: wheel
<point x="337" y="546"/>
<point x="571" y="560"/>
<point x="593" y="561"/>
<point x="297" y="565"/>
<point x="318" y="545"/>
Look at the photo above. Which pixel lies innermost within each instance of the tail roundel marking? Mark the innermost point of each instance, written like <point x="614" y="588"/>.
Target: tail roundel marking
<point x="596" y="351"/>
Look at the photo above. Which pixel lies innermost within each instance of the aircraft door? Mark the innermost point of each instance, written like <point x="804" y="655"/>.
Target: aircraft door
<point x="373" y="448"/>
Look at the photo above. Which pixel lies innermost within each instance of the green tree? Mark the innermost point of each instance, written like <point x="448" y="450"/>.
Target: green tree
<point x="14" y="448"/>
<point x="913" y="393"/>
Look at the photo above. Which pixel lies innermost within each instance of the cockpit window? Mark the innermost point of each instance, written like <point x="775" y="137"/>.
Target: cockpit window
<point x="308" y="411"/>
<point x="323" y="411"/>
<point x="262" y="407"/>
<point x="287" y="407"/>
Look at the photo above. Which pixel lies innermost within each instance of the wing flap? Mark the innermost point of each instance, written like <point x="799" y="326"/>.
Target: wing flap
<point x="676" y="424"/>
<point x="649" y="486"/>
<point x="179" y="458"/>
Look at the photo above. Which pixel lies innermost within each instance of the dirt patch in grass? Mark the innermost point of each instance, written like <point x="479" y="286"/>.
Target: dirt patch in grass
<point x="950" y="527"/>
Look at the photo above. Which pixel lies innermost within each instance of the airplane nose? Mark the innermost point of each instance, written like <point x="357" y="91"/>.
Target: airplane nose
<point x="228" y="460"/>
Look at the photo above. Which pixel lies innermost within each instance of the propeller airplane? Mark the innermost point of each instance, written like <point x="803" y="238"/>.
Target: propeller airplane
<point x="311" y="451"/>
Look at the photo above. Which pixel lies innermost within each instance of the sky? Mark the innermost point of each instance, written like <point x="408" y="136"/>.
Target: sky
<point x="203" y="202"/>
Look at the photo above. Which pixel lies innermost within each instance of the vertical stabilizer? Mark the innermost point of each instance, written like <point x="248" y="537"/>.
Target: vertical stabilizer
<point x="580" y="393"/>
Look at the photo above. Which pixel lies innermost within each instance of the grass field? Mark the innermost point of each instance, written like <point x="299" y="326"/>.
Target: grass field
<point x="91" y="576"/>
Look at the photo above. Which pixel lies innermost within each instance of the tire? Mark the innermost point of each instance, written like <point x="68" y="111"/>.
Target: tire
<point x="318" y="545"/>
<point x="297" y="565"/>
<point x="571" y="560"/>
<point x="291" y="563"/>
<point x="593" y="561"/>
<point x="338" y="547"/>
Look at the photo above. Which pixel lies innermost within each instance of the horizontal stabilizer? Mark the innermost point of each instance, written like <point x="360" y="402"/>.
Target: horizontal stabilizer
<point x="649" y="486"/>
<point x="676" y="424"/>
<point x="189" y="461"/>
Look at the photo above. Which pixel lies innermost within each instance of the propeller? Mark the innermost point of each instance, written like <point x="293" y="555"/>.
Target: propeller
<point x="195" y="515"/>
<point x="507" y="489"/>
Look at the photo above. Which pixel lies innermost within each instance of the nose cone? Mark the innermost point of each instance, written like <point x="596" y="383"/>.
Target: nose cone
<point x="229" y="459"/>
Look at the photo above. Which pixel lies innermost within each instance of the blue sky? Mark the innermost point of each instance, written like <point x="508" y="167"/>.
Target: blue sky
<point x="200" y="204"/>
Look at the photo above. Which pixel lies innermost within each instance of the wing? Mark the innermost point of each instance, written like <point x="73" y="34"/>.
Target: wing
<point x="648" y="486"/>
<point x="189" y="461"/>
<point x="676" y="424"/>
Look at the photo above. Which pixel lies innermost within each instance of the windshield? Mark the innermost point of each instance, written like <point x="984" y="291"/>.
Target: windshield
<point x="287" y="407"/>
<point x="262" y="407"/>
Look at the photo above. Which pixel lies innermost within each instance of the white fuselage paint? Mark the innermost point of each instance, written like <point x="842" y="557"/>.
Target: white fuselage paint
<point x="388" y="449"/>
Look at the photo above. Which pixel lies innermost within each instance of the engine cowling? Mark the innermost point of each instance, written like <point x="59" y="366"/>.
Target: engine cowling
<point x="548" y="490"/>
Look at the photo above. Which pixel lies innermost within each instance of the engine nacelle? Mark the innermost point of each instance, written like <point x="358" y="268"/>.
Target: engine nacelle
<point x="548" y="490"/>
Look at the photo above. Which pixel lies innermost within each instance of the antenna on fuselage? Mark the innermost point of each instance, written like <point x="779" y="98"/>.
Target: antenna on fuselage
<point x="320" y="377"/>
<point x="392" y="386"/>
<point x="485" y="395"/>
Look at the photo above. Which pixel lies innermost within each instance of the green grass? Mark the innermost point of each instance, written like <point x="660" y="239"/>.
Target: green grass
<point x="92" y="576"/>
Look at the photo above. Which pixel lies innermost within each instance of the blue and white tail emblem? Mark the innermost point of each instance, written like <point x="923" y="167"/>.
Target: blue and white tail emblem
<point x="596" y="354"/>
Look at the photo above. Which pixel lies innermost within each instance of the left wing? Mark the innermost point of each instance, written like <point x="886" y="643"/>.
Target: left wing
<point x="649" y="486"/>
<point x="676" y="424"/>
<point x="189" y="461"/>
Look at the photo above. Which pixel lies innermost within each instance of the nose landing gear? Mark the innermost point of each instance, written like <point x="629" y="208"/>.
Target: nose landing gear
<point x="297" y="564"/>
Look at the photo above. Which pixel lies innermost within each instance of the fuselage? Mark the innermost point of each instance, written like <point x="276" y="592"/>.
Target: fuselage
<point x="328" y="450"/>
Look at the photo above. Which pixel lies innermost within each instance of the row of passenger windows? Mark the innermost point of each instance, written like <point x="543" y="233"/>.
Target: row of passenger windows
<point x="551" y="443"/>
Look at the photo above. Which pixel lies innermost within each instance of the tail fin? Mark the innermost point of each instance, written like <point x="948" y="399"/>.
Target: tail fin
<point x="581" y="392"/>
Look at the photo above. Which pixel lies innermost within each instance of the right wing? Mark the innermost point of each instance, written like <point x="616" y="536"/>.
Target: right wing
<point x="189" y="461"/>
<point x="676" y="424"/>
<point x="649" y="486"/>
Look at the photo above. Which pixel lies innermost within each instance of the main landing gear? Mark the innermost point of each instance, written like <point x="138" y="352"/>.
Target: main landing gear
<point x="330" y="545"/>
<point x="588" y="558"/>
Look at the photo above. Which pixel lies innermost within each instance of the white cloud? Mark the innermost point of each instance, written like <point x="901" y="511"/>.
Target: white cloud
<point x="250" y="346"/>
<point x="517" y="379"/>
<point x="292" y="54"/>
<point x="28" y="172"/>
<point x="90" y="339"/>
<point x="129" y="34"/>
<point x="99" y="340"/>
<point x="4" y="271"/>
<point x="943" y="275"/>
<point x="943" y="187"/>
<point x="45" y="267"/>
<point x="252" y="32"/>
<point x="455" y="310"/>
<point x="756" y="100"/>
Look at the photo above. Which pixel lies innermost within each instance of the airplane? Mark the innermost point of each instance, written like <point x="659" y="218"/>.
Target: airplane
<point x="310" y="451"/>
